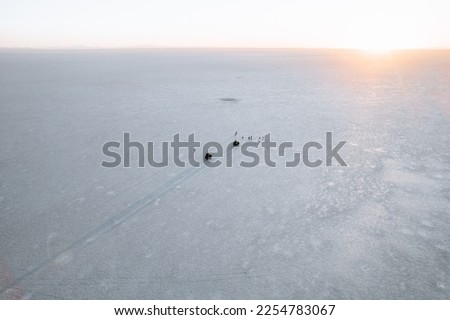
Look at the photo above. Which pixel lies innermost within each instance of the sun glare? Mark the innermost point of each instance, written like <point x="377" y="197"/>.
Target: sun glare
<point x="381" y="35"/>
<point x="381" y="50"/>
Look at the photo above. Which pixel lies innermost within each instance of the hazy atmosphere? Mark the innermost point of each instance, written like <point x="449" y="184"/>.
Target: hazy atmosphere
<point x="211" y="23"/>
<point x="76" y="76"/>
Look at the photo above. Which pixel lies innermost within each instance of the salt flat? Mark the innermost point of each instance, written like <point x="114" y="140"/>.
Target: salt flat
<point x="376" y="229"/>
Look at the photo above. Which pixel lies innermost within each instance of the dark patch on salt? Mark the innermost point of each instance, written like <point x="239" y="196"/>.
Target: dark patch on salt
<point x="229" y="99"/>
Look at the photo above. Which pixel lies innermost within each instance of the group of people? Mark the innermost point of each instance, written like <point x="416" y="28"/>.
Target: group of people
<point x="235" y="144"/>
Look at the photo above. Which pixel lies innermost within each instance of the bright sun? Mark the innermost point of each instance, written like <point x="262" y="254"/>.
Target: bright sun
<point x="377" y="49"/>
<point x="381" y="34"/>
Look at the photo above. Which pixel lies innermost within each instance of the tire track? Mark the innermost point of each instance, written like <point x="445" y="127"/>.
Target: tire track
<point x="112" y="223"/>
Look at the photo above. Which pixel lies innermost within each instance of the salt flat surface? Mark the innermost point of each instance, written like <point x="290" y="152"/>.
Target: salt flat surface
<point x="377" y="229"/>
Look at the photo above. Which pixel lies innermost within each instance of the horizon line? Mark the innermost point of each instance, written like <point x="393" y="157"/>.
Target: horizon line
<point x="82" y="47"/>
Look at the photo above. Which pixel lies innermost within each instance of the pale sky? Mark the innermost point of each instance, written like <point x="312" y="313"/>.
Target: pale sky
<point x="378" y="24"/>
